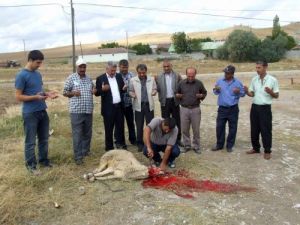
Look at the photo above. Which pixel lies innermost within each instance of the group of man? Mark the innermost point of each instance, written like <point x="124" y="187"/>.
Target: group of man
<point x="125" y="96"/>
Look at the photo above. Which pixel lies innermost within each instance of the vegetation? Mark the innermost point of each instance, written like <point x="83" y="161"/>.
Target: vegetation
<point x="110" y="45"/>
<point x="141" y="49"/>
<point x="244" y="46"/>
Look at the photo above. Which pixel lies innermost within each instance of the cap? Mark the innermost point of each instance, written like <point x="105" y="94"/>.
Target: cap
<point x="80" y="61"/>
<point x="229" y="69"/>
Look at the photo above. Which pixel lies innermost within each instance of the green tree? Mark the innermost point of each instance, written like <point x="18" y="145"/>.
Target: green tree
<point x="180" y="42"/>
<point x="110" y="45"/>
<point x="276" y="28"/>
<point x="141" y="49"/>
<point x="240" y="46"/>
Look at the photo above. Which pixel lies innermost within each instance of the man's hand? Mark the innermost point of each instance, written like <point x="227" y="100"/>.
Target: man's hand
<point x="199" y="95"/>
<point x="269" y="91"/>
<point x="41" y="96"/>
<point x="94" y="91"/>
<point x="124" y="87"/>
<point x="236" y="90"/>
<point x="150" y="153"/>
<point x="76" y="93"/>
<point x="52" y="94"/>
<point x="179" y="95"/>
<point x="217" y="88"/>
<point x="246" y="89"/>
<point x="163" y="166"/>
<point x="105" y="87"/>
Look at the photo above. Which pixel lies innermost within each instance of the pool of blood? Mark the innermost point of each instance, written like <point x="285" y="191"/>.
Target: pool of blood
<point x="182" y="184"/>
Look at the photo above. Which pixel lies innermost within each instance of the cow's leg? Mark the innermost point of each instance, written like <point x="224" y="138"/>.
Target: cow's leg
<point x="102" y="167"/>
<point x="114" y="176"/>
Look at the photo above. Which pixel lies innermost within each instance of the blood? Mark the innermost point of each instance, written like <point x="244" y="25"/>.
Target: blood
<point x="182" y="184"/>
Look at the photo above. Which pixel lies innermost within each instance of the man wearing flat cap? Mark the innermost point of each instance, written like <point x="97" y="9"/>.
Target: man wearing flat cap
<point x="79" y="88"/>
<point x="229" y="90"/>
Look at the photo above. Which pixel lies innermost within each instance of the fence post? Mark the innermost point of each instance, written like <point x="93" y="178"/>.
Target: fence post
<point x="292" y="81"/>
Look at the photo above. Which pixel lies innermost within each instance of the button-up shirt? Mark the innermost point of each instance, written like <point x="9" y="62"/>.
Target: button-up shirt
<point x="226" y="96"/>
<point x="168" y="77"/>
<point x="114" y="88"/>
<point x="189" y="89"/>
<point x="144" y="94"/>
<point x="84" y="102"/>
<point x="261" y="97"/>
<point x="127" y="99"/>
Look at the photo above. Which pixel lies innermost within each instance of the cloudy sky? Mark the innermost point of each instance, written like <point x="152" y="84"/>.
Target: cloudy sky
<point x="46" y="25"/>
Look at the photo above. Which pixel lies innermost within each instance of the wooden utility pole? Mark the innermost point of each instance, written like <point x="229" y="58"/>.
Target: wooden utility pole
<point x="73" y="38"/>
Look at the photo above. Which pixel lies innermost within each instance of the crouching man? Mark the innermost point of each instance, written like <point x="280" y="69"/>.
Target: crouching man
<point x="160" y="135"/>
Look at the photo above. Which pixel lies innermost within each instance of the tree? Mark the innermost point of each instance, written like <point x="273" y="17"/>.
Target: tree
<point x="240" y="46"/>
<point x="180" y="42"/>
<point x="110" y="45"/>
<point x="276" y="28"/>
<point x="141" y="49"/>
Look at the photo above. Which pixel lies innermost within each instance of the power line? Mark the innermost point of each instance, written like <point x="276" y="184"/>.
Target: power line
<point x="30" y="5"/>
<point x="177" y="11"/>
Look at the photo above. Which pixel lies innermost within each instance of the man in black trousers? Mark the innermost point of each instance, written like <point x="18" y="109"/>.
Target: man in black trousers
<point x="110" y="86"/>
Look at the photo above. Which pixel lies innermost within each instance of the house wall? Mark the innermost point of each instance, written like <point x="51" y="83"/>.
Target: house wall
<point x="292" y="54"/>
<point x="105" y="57"/>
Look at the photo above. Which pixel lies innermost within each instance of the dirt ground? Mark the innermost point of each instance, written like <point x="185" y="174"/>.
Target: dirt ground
<point x="276" y="200"/>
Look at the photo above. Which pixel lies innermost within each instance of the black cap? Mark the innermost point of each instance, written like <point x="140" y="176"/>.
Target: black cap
<point x="229" y="69"/>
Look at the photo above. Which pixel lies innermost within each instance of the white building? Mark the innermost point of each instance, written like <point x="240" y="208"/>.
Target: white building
<point x="109" y="54"/>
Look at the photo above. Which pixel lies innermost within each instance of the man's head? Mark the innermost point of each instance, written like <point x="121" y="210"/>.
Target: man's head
<point x="167" y="66"/>
<point x="261" y="67"/>
<point x="81" y="66"/>
<point x="111" y="68"/>
<point x="123" y="66"/>
<point x="191" y="73"/>
<point x="141" y="70"/>
<point x="229" y="72"/>
<point x="35" y="59"/>
<point x="168" y="124"/>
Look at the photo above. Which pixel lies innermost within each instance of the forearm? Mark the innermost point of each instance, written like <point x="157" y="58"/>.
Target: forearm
<point x="167" y="154"/>
<point x="27" y="98"/>
<point x="147" y="133"/>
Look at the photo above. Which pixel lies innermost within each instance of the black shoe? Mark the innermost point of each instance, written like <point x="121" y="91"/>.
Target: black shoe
<point x="118" y="146"/>
<point x="79" y="162"/>
<point x="157" y="164"/>
<point x="140" y="148"/>
<point x="171" y="165"/>
<point x="229" y="150"/>
<point x="46" y="164"/>
<point x="216" y="148"/>
<point x="86" y="154"/>
<point x="180" y="144"/>
<point x="185" y="149"/>
<point x="197" y="151"/>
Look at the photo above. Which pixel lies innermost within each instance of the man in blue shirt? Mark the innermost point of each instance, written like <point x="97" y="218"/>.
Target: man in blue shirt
<point x="29" y="90"/>
<point x="229" y="91"/>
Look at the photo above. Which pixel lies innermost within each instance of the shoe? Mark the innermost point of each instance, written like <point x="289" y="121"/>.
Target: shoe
<point x="133" y="142"/>
<point x="229" y="149"/>
<point x="140" y="148"/>
<point x="185" y="149"/>
<point x="79" y="162"/>
<point x="86" y="154"/>
<point x="172" y="165"/>
<point x="197" y="151"/>
<point x="118" y="146"/>
<point x="180" y="144"/>
<point x="48" y="164"/>
<point x="267" y="156"/>
<point x="252" y="151"/>
<point x="34" y="171"/>
<point x="216" y="148"/>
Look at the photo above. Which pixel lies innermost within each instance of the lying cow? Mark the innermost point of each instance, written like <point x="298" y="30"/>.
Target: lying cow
<point x="118" y="164"/>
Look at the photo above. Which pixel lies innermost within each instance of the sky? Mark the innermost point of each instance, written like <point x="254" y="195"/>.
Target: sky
<point x="48" y="26"/>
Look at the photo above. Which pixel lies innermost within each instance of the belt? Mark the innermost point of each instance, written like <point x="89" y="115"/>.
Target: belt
<point x="117" y="104"/>
<point x="228" y="107"/>
<point x="190" y="106"/>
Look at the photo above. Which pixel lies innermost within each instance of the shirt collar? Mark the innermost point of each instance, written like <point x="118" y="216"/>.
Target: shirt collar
<point x="109" y="77"/>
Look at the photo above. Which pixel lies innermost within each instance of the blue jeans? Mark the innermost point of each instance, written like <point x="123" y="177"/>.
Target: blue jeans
<point x="36" y="124"/>
<point x="175" y="151"/>
<point x="82" y="124"/>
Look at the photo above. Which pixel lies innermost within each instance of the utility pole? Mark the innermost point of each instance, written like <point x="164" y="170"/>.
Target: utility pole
<point x="24" y="48"/>
<point x="73" y="37"/>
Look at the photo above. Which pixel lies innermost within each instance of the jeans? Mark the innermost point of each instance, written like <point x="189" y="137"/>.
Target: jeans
<point x="36" y="124"/>
<point x="175" y="151"/>
<point x="230" y="114"/>
<point x="82" y="124"/>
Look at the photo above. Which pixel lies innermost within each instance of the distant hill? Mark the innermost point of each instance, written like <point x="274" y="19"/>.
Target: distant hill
<point x="292" y="29"/>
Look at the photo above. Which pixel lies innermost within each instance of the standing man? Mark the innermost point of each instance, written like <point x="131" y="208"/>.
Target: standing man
<point x="191" y="92"/>
<point x="29" y="91"/>
<point x="160" y="135"/>
<point x="110" y="87"/>
<point x="79" y="88"/>
<point x="167" y="84"/>
<point x="263" y="89"/>
<point x="229" y="91"/>
<point x="127" y="101"/>
<point x="142" y="88"/>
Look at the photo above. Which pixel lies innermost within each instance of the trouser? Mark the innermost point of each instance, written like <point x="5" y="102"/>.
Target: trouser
<point x="169" y="109"/>
<point x="36" y="124"/>
<point x="114" y="120"/>
<point x="128" y="114"/>
<point x="175" y="151"/>
<point x="261" y="123"/>
<point x="140" y="117"/>
<point x="230" y="115"/>
<point x="82" y="125"/>
<point x="190" y="116"/>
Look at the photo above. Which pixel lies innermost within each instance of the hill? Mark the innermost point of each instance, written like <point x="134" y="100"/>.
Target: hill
<point x="155" y="38"/>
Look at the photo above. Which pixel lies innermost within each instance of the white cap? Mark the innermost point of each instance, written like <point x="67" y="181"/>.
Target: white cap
<point x="80" y="61"/>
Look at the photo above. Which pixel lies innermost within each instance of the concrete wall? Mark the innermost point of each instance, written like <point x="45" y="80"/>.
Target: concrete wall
<point x="292" y="54"/>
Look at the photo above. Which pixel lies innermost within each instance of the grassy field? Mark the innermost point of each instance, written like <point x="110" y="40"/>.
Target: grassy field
<point x="26" y="199"/>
